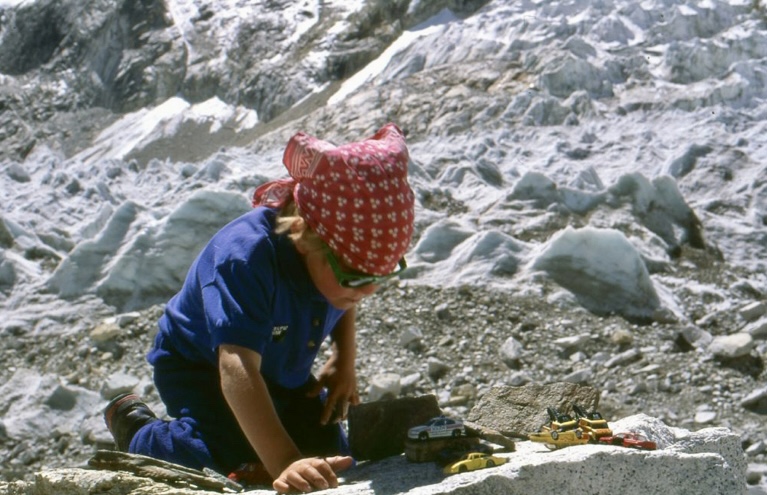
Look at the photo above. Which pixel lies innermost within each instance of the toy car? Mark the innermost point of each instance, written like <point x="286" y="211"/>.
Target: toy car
<point x="472" y="461"/>
<point x="630" y="440"/>
<point x="560" y="421"/>
<point x="440" y="426"/>
<point x="592" y="423"/>
<point x="555" y="439"/>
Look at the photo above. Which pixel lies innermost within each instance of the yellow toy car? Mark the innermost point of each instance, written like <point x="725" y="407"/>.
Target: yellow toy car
<point x="592" y="423"/>
<point x="473" y="461"/>
<point x="555" y="439"/>
<point x="561" y="421"/>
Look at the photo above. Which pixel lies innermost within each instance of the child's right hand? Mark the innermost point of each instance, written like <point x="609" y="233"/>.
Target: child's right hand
<point x="313" y="473"/>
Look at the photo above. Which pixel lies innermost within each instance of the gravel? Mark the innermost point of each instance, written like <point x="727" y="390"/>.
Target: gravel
<point x="448" y="342"/>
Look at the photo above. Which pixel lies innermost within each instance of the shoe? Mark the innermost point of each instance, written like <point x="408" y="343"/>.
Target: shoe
<point x="124" y="415"/>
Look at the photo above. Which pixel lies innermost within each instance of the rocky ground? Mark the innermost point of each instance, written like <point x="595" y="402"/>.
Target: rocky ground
<point x="456" y="344"/>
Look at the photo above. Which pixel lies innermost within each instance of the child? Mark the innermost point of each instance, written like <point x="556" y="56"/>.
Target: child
<point x="233" y="357"/>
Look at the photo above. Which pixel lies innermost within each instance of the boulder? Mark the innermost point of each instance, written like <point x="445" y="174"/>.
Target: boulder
<point x="379" y="429"/>
<point x="517" y="411"/>
<point x="705" y="461"/>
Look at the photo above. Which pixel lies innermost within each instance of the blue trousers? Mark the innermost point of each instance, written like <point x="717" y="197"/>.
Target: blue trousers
<point x="204" y="432"/>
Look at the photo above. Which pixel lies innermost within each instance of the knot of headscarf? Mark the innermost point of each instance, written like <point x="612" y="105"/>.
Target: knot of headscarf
<point x="356" y="196"/>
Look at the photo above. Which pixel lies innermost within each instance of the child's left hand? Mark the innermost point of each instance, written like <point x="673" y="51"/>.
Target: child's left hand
<point x="341" y="381"/>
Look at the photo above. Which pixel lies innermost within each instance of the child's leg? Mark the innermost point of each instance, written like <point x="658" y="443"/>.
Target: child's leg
<point x="204" y="432"/>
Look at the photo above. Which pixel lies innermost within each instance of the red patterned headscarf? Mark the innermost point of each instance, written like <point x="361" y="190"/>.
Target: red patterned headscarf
<point x="356" y="196"/>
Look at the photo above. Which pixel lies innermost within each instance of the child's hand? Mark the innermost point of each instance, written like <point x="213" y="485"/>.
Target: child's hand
<point x="341" y="382"/>
<point x="314" y="473"/>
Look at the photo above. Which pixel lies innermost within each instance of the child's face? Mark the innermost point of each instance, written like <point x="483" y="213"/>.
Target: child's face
<point x="325" y="280"/>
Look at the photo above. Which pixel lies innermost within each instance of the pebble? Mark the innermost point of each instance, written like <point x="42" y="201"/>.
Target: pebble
<point x="752" y="311"/>
<point x="575" y="341"/>
<point x="626" y="357"/>
<point x="581" y="376"/>
<point x="442" y="311"/>
<point x="436" y="368"/>
<point x="731" y="346"/>
<point x="704" y="417"/>
<point x="519" y="379"/>
<point x="118" y="383"/>
<point x="757" y="448"/>
<point x="106" y="331"/>
<point x="757" y="329"/>
<point x="695" y="336"/>
<point x="384" y="385"/>
<point x="622" y="337"/>
<point x="754" y="397"/>
<point x="511" y="351"/>
<point x="409" y="335"/>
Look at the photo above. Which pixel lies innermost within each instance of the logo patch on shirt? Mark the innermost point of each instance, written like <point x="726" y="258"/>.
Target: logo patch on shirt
<point x="278" y="332"/>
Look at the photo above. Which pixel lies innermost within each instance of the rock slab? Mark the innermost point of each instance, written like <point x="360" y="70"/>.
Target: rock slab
<point x="378" y="429"/>
<point x="518" y="411"/>
<point x="706" y="461"/>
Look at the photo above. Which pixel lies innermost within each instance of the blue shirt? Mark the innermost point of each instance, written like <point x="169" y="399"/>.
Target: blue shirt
<point x="249" y="287"/>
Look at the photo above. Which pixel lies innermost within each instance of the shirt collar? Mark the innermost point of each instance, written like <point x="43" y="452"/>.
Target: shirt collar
<point x="292" y="267"/>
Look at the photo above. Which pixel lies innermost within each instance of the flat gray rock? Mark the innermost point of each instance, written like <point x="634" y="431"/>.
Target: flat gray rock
<point x="706" y="461"/>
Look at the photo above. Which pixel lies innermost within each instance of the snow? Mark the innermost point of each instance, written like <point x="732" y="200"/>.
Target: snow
<point x="134" y="238"/>
<point x="137" y="129"/>
<point x="431" y="27"/>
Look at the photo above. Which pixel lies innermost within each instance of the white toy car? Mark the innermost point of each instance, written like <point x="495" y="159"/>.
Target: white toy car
<point x="440" y="426"/>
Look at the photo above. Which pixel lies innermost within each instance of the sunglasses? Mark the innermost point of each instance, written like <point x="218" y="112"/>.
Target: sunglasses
<point x="354" y="280"/>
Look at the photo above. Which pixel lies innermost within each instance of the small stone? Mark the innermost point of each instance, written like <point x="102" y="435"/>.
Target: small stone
<point x="107" y="331"/>
<point x="756" y="400"/>
<point x="118" y="383"/>
<point x="580" y="376"/>
<point x="519" y="378"/>
<point x="125" y="319"/>
<point x="410" y="381"/>
<point x="752" y="311"/>
<point x="575" y="341"/>
<point x="383" y="386"/>
<point x="511" y="351"/>
<point x="409" y="335"/>
<point x="623" y="358"/>
<point x="704" y="417"/>
<point x="466" y="390"/>
<point x="62" y="399"/>
<point x="436" y="369"/>
<point x="18" y="173"/>
<point x="757" y="329"/>
<point x="442" y="311"/>
<point x="731" y="346"/>
<point x="622" y="337"/>
<point x="578" y="357"/>
<point x="692" y="337"/>
<point x="753" y="476"/>
<point x="756" y="448"/>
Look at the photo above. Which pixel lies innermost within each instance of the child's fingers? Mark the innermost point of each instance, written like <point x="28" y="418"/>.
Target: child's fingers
<point x="339" y="462"/>
<point x="280" y="485"/>
<point x="328" y="409"/>
<point x="307" y="475"/>
<point x="315" y="389"/>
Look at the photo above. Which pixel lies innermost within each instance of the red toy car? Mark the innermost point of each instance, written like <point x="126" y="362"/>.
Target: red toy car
<point x="630" y="440"/>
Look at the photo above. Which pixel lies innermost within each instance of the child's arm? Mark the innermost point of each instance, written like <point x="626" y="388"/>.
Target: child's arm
<point x="246" y="393"/>
<point x="338" y="373"/>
